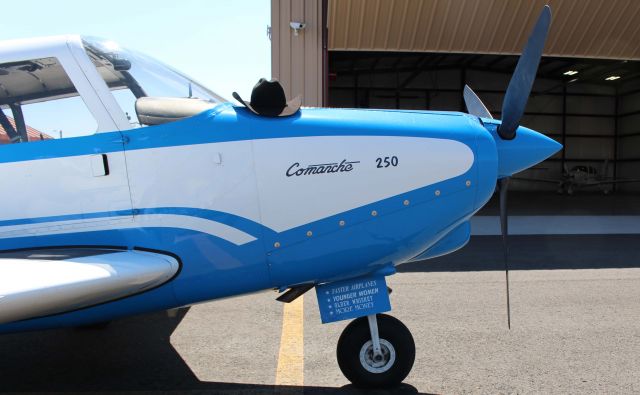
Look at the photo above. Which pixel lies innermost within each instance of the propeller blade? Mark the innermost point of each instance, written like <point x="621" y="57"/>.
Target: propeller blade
<point x="515" y="100"/>
<point x="474" y="104"/>
<point x="503" y="185"/>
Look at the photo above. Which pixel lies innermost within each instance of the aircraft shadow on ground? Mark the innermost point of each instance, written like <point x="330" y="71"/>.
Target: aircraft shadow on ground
<point x="537" y="253"/>
<point x="134" y="354"/>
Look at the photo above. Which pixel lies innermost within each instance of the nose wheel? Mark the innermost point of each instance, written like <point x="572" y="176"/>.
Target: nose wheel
<point x="376" y="351"/>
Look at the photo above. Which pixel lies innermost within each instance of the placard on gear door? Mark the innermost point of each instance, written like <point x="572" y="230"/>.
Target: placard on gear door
<point x="353" y="298"/>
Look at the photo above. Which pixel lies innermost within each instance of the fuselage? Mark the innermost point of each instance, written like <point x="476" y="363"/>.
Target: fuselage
<point x="248" y="203"/>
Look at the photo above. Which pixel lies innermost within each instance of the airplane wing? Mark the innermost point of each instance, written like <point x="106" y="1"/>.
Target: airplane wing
<point x="594" y="183"/>
<point x="547" y="180"/>
<point x="36" y="283"/>
<point x="616" y="181"/>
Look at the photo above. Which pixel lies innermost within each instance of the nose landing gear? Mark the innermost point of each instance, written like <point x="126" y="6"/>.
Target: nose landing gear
<point x="376" y="351"/>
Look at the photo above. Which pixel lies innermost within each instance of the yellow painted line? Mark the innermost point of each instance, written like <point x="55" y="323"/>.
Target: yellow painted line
<point x="290" y="369"/>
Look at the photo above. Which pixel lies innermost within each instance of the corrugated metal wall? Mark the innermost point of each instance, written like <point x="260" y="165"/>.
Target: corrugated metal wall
<point x="579" y="28"/>
<point x="297" y="60"/>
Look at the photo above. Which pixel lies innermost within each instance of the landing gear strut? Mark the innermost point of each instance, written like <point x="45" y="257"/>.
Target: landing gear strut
<point x="376" y="351"/>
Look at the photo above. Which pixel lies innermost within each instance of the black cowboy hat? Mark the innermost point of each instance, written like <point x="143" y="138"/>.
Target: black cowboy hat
<point x="268" y="99"/>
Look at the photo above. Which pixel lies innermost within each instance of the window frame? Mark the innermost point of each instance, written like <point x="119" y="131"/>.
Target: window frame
<point x="75" y="62"/>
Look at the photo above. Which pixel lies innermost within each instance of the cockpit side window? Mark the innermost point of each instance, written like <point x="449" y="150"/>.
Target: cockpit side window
<point x="39" y="102"/>
<point x="148" y="91"/>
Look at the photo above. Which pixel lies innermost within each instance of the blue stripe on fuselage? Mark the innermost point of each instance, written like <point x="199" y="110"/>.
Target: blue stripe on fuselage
<point x="226" y="123"/>
<point x="65" y="217"/>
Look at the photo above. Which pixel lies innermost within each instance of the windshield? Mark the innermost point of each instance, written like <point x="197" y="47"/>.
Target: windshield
<point x="142" y="75"/>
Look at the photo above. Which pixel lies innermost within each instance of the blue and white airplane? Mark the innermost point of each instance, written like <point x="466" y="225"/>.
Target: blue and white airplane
<point x="200" y="199"/>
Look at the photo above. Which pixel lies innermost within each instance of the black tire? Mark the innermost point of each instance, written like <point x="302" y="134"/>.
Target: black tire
<point x="353" y="340"/>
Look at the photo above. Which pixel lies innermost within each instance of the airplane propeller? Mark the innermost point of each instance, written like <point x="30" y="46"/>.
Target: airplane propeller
<point x="503" y="184"/>
<point x="515" y="100"/>
<point x="475" y="106"/>
<point x="513" y="106"/>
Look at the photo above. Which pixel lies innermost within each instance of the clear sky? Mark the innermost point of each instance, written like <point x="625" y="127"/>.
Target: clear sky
<point x="223" y="44"/>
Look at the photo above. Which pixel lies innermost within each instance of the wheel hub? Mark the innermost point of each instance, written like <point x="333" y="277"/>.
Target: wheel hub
<point x="377" y="363"/>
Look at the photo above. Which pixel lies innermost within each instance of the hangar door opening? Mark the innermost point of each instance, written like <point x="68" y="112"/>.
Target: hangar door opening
<point x="591" y="106"/>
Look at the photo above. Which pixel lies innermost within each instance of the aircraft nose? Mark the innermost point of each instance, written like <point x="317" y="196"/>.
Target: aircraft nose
<point x="525" y="150"/>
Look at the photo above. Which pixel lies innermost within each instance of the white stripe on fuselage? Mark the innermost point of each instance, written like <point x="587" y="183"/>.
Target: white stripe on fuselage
<point x="61" y="186"/>
<point x="189" y="176"/>
<point x="290" y="201"/>
<point x="243" y="178"/>
<point x="213" y="228"/>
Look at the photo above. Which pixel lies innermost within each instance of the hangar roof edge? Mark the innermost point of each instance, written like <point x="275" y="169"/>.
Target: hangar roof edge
<point x="579" y="28"/>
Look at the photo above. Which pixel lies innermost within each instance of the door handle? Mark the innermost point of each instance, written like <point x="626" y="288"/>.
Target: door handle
<point x="100" y="165"/>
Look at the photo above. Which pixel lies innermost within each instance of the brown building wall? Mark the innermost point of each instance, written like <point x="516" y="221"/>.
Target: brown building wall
<point x="297" y="60"/>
